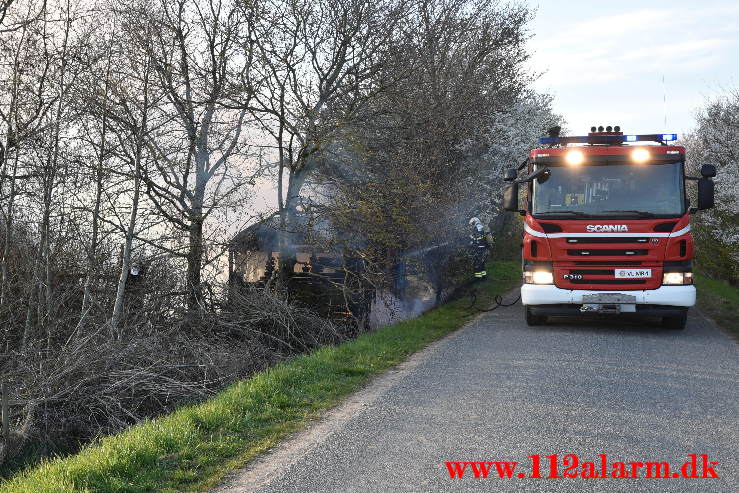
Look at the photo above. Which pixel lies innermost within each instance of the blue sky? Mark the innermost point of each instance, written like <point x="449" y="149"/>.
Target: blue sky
<point x="604" y="62"/>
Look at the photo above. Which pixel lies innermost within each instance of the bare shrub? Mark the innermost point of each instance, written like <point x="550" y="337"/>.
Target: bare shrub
<point x="274" y="322"/>
<point x="95" y="384"/>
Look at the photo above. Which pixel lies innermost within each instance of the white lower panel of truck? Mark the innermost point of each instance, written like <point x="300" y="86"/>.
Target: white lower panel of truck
<point x="534" y="294"/>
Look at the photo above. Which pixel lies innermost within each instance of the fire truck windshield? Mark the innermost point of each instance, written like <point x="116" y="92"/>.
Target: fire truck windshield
<point x="614" y="190"/>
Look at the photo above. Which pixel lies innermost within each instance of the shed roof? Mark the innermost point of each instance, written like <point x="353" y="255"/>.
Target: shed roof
<point x="264" y="236"/>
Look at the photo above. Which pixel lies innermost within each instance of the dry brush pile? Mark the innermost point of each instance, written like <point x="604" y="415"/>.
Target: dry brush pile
<point x="96" y="381"/>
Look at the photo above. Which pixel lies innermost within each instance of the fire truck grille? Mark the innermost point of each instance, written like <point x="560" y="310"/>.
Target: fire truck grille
<point x="615" y="262"/>
<point x="606" y="240"/>
<point x="603" y="253"/>
<point x="593" y="272"/>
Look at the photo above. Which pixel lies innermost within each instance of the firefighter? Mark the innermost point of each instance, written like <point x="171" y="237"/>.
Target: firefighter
<point x="480" y="244"/>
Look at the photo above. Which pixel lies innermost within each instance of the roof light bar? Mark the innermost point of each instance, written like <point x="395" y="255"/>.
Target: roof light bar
<point x="608" y="139"/>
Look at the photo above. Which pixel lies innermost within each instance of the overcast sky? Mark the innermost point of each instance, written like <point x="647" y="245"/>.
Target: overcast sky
<point x="604" y="62"/>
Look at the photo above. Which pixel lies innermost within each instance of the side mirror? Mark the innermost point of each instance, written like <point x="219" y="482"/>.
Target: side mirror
<point x="510" y="197"/>
<point x="705" y="193"/>
<point x="708" y="171"/>
<point x="510" y="174"/>
<point x="544" y="176"/>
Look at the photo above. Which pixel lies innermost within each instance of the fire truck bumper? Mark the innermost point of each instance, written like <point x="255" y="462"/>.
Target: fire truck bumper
<point x="665" y="296"/>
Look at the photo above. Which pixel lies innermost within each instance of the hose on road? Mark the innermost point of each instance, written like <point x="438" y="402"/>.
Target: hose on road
<point x="498" y="302"/>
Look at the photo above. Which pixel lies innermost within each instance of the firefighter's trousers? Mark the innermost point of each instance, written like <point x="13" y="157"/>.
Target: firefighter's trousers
<point x="478" y="263"/>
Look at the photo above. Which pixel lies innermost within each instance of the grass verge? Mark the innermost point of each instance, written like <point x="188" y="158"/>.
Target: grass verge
<point x="720" y="300"/>
<point x="192" y="448"/>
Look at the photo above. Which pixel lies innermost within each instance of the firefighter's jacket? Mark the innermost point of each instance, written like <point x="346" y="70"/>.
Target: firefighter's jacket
<point x="480" y="240"/>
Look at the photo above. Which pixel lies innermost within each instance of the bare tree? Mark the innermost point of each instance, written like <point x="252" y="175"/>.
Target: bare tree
<point x="132" y="112"/>
<point x="102" y="151"/>
<point x="118" y="106"/>
<point x="61" y="49"/>
<point x="194" y="52"/>
<point x="23" y="117"/>
<point x="401" y="182"/>
<point x="318" y="61"/>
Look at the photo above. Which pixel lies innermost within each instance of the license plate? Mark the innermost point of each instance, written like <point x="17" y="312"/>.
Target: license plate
<point x="608" y="298"/>
<point x="633" y="273"/>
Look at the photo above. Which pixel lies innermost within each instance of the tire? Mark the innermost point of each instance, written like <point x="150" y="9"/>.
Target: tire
<point x="676" y="322"/>
<point x="533" y="320"/>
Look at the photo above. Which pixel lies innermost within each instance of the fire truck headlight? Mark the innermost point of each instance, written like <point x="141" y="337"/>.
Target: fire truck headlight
<point x="574" y="158"/>
<point x="640" y="155"/>
<point x="538" y="277"/>
<point x="677" y="278"/>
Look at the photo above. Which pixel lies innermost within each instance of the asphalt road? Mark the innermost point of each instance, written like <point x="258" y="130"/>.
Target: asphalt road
<point x="498" y="390"/>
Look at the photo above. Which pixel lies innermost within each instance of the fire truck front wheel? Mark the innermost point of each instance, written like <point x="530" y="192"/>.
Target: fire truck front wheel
<point x="533" y="320"/>
<point x="676" y="322"/>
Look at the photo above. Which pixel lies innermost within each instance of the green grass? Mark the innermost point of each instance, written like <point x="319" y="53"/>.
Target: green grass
<point x="192" y="448"/>
<point x="720" y="300"/>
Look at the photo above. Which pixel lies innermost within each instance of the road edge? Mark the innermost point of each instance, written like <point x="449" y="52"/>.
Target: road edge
<point x="259" y="471"/>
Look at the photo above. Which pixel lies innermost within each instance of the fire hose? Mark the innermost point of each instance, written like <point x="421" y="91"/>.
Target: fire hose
<point x="498" y="302"/>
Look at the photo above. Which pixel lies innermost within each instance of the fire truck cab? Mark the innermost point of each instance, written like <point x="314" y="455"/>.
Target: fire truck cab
<point x="607" y="226"/>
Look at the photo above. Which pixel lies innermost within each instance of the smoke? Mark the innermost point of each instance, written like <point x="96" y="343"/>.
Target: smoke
<point x="388" y="309"/>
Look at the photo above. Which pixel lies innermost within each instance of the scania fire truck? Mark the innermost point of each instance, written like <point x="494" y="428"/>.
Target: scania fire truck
<point x="607" y="226"/>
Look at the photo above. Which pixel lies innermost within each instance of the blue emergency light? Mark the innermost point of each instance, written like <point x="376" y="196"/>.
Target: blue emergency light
<point x="608" y="139"/>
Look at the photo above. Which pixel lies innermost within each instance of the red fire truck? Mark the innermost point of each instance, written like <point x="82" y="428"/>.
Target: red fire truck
<point x="607" y="226"/>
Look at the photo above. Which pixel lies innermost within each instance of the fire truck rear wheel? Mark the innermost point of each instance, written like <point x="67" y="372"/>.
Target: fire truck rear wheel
<point x="532" y="320"/>
<point x="675" y="322"/>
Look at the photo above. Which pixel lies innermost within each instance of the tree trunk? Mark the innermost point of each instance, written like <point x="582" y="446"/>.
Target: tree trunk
<point x="196" y="217"/>
<point x="28" y="324"/>
<point x="289" y="223"/>
<point x="139" y="136"/>
<point x="126" y="260"/>
<point x="195" y="263"/>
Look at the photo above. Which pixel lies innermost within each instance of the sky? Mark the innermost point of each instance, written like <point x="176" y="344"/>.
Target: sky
<point x="634" y="64"/>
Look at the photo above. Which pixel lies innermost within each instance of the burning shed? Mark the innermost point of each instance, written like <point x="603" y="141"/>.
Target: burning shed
<point x="254" y="253"/>
<point x="333" y="282"/>
<point x="328" y="281"/>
